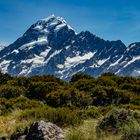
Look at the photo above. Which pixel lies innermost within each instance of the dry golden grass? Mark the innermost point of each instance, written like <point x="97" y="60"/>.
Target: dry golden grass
<point x="10" y="123"/>
<point x="87" y="131"/>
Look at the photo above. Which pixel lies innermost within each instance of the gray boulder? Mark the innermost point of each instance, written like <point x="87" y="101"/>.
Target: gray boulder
<point x="45" y="131"/>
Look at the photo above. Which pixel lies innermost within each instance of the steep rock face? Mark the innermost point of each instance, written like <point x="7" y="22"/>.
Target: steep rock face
<point x="130" y="61"/>
<point x="51" y="46"/>
<point x="40" y="42"/>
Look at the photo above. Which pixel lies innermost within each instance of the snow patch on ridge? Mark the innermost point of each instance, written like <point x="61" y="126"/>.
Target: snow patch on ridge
<point x="40" y="41"/>
<point x="52" y="55"/>
<point x="45" y="53"/>
<point x="132" y="61"/>
<point x="117" y="62"/>
<point x="101" y="62"/>
<point x="136" y="73"/>
<point x="15" y="51"/>
<point x="72" y="61"/>
<point x="4" y="65"/>
<point x="60" y="66"/>
<point x="133" y="45"/>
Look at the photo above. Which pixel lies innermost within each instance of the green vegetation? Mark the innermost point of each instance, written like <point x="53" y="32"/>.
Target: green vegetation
<point x="107" y="107"/>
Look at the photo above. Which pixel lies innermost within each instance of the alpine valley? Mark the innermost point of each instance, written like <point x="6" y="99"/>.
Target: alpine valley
<point x="51" y="46"/>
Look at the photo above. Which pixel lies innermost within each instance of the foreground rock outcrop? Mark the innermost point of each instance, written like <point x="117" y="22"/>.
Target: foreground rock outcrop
<point x="40" y="131"/>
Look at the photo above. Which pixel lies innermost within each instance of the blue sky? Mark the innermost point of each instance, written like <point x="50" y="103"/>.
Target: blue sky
<point x="108" y="19"/>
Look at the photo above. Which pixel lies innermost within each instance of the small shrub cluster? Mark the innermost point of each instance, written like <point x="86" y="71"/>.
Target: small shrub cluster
<point x="120" y="121"/>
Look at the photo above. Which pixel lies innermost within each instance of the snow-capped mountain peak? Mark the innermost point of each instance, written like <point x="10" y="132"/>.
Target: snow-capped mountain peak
<point x="134" y="49"/>
<point x="51" y="46"/>
<point x="48" y="18"/>
<point x="51" y="31"/>
<point x="51" y="23"/>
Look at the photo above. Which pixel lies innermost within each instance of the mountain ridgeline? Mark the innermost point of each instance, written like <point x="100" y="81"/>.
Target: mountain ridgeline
<point x="51" y="46"/>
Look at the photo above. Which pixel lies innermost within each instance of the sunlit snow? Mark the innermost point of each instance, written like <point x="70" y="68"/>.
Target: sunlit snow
<point x="72" y="61"/>
<point x="4" y="65"/>
<point x="117" y="62"/>
<point x="132" y="61"/>
<point x="40" y="41"/>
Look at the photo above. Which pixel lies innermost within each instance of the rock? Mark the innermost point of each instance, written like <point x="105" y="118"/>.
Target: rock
<point x="39" y="131"/>
<point x="2" y="138"/>
<point x="45" y="131"/>
<point x="19" y="135"/>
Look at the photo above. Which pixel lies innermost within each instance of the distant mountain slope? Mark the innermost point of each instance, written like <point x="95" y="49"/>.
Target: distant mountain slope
<point x="2" y="47"/>
<point x="51" y="46"/>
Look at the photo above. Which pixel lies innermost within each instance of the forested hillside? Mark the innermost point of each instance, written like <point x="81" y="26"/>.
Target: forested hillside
<point x="110" y="102"/>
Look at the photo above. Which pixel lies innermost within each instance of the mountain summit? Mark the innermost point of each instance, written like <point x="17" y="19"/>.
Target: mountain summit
<point x="51" y="46"/>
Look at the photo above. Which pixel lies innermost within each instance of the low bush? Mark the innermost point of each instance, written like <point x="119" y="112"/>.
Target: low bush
<point x="60" y="116"/>
<point x="132" y="135"/>
<point x="80" y="76"/>
<point x="69" y="98"/>
<point x="38" y="90"/>
<point x="130" y="106"/>
<point x="109" y="95"/>
<point x="19" y="103"/>
<point x="119" y="121"/>
<point x="23" y="103"/>
<point x="88" y="113"/>
<point x="4" y="78"/>
<point x="11" y="91"/>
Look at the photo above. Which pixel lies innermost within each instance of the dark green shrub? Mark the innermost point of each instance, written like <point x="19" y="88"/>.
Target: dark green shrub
<point x="131" y="87"/>
<point x="59" y="98"/>
<point x="85" y="85"/>
<point x="80" y="76"/>
<point x="109" y="95"/>
<point x="3" y="108"/>
<point x="130" y="106"/>
<point x="4" y="78"/>
<point x="116" y="121"/>
<point x="19" y="103"/>
<point x="38" y="90"/>
<point x="47" y="78"/>
<point x="19" y="81"/>
<point x="23" y="103"/>
<point x="80" y="99"/>
<point x="108" y="74"/>
<point x="135" y="100"/>
<point x="68" y="98"/>
<point x="132" y="135"/>
<point x="8" y="92"/>
<point x="105" y="81"/>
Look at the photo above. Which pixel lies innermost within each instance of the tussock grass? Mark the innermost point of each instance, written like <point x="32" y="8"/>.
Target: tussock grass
<point x="10" y="123"/>
<point x="87" y="131"/>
